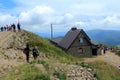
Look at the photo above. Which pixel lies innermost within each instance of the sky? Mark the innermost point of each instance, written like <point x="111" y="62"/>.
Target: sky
<point x="38" y="15"/>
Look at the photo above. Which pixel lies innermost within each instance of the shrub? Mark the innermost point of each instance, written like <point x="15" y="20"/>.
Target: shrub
<point x="84" y="64"/>
<point x="41" y="62"/>
<point x="42" y="77"/>
<point x="61" y="76"/>
<point x="118" y="53"/>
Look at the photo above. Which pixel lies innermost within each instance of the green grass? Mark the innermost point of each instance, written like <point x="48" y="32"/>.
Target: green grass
<point x="60" y="75"/>
<point x="25" y="72"/>
<point x="118" y="53"/>
<point x="104" y="71"/>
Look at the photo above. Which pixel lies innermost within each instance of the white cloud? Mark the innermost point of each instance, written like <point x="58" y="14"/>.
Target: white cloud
<point x="66" y="18"/>
<point x="88" y="8"/>
<point x="114" y="19"/>
<point x="108" y="22"/>
<point x="36" y="18"/>
<point x="7" y="19"/>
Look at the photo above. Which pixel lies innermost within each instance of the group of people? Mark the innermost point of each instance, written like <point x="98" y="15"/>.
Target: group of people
<point x="27" y="50"/>
<point x="11" y="27"/>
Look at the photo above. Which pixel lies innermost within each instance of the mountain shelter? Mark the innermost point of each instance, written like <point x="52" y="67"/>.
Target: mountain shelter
<point x="77" y="43"/>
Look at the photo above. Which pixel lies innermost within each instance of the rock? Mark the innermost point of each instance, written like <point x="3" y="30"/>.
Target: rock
<point x="20" y="59"/>
<point x="89" y="69"/>
<point x="75" y="72"/>
<point x="1" y="75"/>
<point x="56" y="69"/>
<point x="16" y="72"/>
<point x="55" y="79"/>
<point x="5" y="67"/>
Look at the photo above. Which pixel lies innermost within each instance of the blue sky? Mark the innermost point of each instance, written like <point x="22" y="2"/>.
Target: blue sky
<point x="37" y="15"/>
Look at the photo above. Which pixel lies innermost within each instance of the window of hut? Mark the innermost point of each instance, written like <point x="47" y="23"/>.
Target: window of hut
<point x="81" y="40"/>
<point x="80" y="50"/>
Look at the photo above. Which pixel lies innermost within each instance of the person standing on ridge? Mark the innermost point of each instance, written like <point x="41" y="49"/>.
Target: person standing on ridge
<point x="14" y="27"/>
<point x="18" y="26"/>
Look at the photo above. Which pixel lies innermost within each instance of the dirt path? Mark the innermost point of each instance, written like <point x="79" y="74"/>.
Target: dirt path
<point x="109" y="57"/>
<point x="6" y="38"/>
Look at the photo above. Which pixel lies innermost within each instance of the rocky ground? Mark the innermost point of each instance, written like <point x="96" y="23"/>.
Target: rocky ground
<point x="74" y="72"/>
<point x="10" y="53"/>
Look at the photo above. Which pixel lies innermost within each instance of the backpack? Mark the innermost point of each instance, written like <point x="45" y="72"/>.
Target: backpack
<point x="24" y="50"/>
<point x="35" y="52"/>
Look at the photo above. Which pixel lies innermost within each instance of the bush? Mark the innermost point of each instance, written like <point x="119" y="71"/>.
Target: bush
<point x="41" y="62"/>
<point x="84" y="64"/>
<point x="118" y="53"/>
<point x="36" y="77"/>
<point x="61" y="76"/>
<point x="96" y="75"/>
<point x="42" y="77"/>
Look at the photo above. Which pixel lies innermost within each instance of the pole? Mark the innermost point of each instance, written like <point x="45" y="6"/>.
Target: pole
<point x="51" y="31"/>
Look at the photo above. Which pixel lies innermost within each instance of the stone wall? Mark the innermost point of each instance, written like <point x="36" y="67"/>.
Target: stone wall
<point x="80" y="49"/>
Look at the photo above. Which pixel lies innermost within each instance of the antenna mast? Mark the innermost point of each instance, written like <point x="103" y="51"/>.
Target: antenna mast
<point x="51" y="31"/>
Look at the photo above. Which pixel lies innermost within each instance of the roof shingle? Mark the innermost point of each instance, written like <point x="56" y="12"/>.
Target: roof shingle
<point x="69" y="38"/>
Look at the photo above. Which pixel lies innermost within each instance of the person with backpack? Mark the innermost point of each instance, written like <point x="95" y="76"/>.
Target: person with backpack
<point x="26" y="50"/>
<point x="119" y="68"/>
<point x="35" y="53"/>
<point x="14" y="27"/>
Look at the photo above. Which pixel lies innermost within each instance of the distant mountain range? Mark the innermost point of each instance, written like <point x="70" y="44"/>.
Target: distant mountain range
<point x="108" y="37"/>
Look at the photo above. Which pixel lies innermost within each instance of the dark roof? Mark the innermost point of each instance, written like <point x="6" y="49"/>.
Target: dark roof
<point x="70" y="37"/>
<point x="94" y="43"/>
<point x="57" y="40"/>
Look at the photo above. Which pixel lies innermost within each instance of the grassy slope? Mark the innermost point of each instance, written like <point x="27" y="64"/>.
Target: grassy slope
<point x="103" y="71"/>
<point x="52" y="52"/>
<point x="25" y="72"/>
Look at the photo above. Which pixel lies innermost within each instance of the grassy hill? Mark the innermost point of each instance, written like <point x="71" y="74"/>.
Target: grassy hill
<point x="56" y="64"/>
<point x="51" y="51"/>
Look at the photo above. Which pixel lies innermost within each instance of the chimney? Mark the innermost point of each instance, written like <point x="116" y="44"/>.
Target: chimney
<point x="73" y="28"/>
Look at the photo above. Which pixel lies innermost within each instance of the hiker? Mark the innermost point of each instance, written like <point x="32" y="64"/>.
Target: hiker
<point x="1" y="29"/>
<point x="35" y="53"/>
<point x="118" y="67"/>
<point x="5" y="28"/>
<point x="18" y="26"/>
<point x="14" y="27"/>
<point x="9" y="28"/>
<point x="105" y="49"/>
<point x="26" y="51"/>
